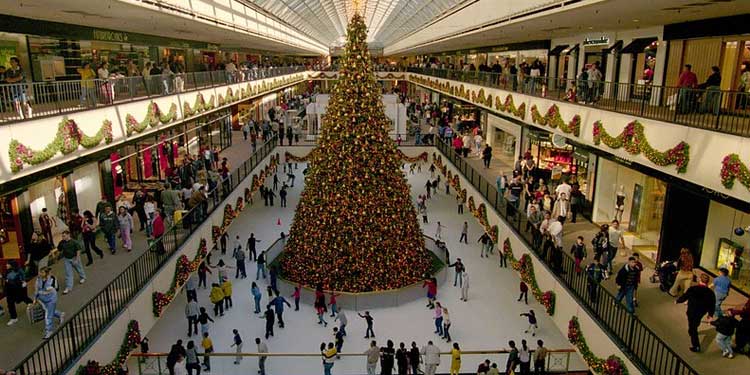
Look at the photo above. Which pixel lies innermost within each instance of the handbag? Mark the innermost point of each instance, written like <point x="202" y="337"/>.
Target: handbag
<point x="35" y="312"/>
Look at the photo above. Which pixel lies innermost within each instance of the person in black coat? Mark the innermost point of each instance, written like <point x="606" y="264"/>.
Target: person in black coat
<point x="387" y="355"/>
<point x="701" y="301"/>
<point x="176" y="351"/>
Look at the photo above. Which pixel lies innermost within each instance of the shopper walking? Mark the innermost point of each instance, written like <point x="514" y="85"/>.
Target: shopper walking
<point x="721" y="286"/>
<point x="700" y="301"/>
<point x="70" y="252"/>
<point x="15" y="289"/>
<point x="725" y="328"/>
<point x="594" y="276"/>
<point x="125" y="222"/>
<point x="627" y="280"/>
<point x="46" y="295"/>
<point x="578" y="250"/>
<point x="109" y="224"/>
<point x="88" y="231"/>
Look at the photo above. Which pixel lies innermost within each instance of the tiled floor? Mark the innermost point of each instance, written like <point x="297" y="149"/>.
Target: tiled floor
<point x="19" y="340"/>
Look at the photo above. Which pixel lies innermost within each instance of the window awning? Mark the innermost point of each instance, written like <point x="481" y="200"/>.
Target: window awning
<point x="569" y="50"/>
<point x="617" y="46"/>
<point x="557" y="50"/>
<point x="638" y="45"/>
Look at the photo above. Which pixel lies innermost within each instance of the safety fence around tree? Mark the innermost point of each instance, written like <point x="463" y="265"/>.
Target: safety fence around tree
<point x="644" y="347"/>
<point x="711" y="108"/>
<point x="557" y="361"/>
<point x="72" y="338"/>
<point x="57" y="97"/>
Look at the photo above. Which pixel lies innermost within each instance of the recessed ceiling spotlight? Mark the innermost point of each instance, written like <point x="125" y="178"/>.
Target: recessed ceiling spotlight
<point x="591" y="28"/>
<point x="636" y="20"/>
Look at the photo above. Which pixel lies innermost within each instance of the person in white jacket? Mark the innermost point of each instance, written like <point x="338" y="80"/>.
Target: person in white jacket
<point x="465" y="287"/>
<point x="431" y="355"/>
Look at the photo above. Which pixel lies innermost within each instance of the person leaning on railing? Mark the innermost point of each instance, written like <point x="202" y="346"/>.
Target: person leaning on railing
<point x="88" y="91"/>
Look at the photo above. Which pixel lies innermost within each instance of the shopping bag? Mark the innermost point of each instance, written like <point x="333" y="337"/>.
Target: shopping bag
<point x="35" y="312"/>
<point x="177" y="216"/>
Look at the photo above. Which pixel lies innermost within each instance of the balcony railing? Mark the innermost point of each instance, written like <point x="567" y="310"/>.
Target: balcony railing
<point x="55" y="355"/>
<point x="709" y="109"/>
<point x="557" y="361"/>
<point x="58" y="97"/>
<point x="642" y="345"/>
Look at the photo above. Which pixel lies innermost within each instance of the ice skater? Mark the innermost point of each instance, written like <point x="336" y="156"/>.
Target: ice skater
<point x="439" y="231"/>
<point x="465" y="287"/>
<point x="464" y="233"/>
<point x="532" y="322"/>
<point x="368" y="318"/>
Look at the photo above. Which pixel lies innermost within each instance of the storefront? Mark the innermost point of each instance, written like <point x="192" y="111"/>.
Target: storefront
<point x="514" y="54"/>
<point x="148" y="162"/>
<point x="636" y="200"/>
<point x="724" y="246"/>
<point x="505" y="139"/>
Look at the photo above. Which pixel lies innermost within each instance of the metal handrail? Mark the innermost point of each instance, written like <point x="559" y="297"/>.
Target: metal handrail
<point x="644" y="347"/>
<point x="58" y="97"/>
<point x="71" y="339"/>
<point x="711" y="108"/>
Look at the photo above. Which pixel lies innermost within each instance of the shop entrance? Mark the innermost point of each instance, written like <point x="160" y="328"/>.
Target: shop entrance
<point x="685" y="225"/>
<point x="634" y="199"/>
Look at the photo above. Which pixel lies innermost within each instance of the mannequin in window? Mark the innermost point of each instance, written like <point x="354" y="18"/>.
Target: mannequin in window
<point x="619" y="203"/>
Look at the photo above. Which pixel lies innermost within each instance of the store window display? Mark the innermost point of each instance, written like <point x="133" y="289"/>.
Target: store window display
<point x="635" y="200"/>
<point x="726" y="244"/>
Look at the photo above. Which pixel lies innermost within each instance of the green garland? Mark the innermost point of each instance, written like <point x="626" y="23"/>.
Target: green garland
<point x="129" y="343"/>
<point x="183" y="269"/>
<point x="553" y="119"/>
<point x="634" y="141"/>
<point x="154" y="117"/>
<point x="67" y="139"/>
<point x="733" y="168"/>
<point x="613" y="365"/>
<point x="200" y="105"/>
<point x="510" y="107"/>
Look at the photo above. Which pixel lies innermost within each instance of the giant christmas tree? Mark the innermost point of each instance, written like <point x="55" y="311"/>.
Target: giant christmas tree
<point x="355" y="228"/>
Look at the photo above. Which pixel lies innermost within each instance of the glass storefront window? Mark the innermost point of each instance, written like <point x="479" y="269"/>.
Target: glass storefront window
<point x="724" y="247"/>
<point x="635" y="200"/>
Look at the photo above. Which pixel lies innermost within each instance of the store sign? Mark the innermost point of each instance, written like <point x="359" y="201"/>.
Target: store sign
<point x="601" y="41"/>
<point x="212" y="47"/>
<point x="110" y="36"/>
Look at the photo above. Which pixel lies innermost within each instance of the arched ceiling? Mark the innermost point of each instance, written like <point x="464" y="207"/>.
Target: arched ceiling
<point x="387" y="20"/>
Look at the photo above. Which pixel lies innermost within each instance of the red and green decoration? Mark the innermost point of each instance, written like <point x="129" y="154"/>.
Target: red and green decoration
<point x="230" y="97"/>
<point x="634" y="141"/>
<point x="199" y="106"/>
<point x="67" y="140"/>
<point x="249" y="195"/>
<point x="525" y="267"/>
<point x="131" y="341"/>
<point x="355" y="228"/>
<point x="296" y="159"/>
<point x="510" y="107"/>
<point x="553" y="119"/>
<point x="154" y="117"/>
<point x="421" y="158"/>
<point x="240" y="205"/>
<point x="183" y="270"/>
<point x="732" y="168"/>
<point x="613" y="365"/>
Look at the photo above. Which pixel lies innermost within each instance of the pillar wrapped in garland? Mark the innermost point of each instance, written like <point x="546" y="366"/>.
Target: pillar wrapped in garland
<point x="355" y="228"/>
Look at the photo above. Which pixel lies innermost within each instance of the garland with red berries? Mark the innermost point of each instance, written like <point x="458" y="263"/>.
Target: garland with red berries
<point x="154" y="117"/>
<point x="200" y="105"/>
<point x="613" y="365"/>
<point x="525" y="267"/>
<point x="553" y="119"/>
<point x="634" y="141"/>
<point x="129" y="343"/>
<point x="732" y="168"/>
